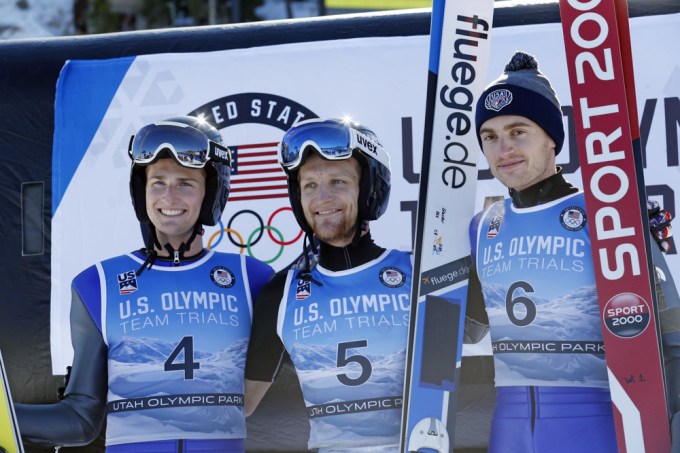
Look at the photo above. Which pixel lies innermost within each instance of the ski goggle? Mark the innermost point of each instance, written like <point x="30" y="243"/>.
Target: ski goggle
<point x="190" y="147"/>
<point x="332" y="139"/>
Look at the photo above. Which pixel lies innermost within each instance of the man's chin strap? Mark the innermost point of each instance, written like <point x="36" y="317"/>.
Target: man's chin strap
<point x="149" y="251"/>
<point x="152" y="245"/>
<point x="308" y="261"/>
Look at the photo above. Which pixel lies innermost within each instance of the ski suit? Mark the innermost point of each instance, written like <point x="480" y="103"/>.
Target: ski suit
<point x="532" y="257"/>
<point x="160" y="354"/>
<point x="345" y="330"/>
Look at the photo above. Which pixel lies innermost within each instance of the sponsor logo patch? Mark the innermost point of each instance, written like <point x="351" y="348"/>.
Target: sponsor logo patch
<point x="127" y="282"/>
<point x="498" y="99"/>
<point x="303" y="290"/>
<point x="626" y="315"/>
<point x="573" y="218"/>
<point x="392" y="277"/>
<point x="494" y="227"/>
<point x="222" y="277"/>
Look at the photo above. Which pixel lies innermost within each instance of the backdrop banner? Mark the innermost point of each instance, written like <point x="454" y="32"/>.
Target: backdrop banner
<point x="254" y="95"/>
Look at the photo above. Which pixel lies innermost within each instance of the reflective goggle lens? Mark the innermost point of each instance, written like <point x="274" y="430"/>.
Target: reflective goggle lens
<point x="189" y="146"/>
<point x="332" y="140"/>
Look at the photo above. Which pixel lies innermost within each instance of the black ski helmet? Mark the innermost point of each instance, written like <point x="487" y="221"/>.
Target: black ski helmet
<point x="337" y="139"/>
<point x="193" y="143"/>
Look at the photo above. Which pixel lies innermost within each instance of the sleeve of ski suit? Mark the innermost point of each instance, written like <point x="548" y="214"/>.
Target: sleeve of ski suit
<point x="669" y="318"/>
<point x="476" y="320"/>
<point x="77" y="419"/>
<point x="265" y="349"/>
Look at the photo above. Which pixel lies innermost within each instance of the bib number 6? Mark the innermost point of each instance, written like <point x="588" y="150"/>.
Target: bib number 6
<point x="522" y="301"/>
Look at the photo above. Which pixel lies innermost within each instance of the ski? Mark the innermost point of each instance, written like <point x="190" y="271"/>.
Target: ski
<point x="459" y="54"/>
<point x="599" y="61"/>
<point x="10" y="439"/>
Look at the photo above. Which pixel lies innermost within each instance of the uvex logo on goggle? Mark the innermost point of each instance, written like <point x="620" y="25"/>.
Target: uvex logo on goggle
<point x="366" y="143"/>
<point x="222" y="153"/>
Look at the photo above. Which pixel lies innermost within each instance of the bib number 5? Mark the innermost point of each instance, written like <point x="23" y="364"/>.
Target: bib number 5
<point x="362" y="361"/>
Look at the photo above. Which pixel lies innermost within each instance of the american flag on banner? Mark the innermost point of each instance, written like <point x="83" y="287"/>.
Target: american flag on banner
<point x="256" y="173"/>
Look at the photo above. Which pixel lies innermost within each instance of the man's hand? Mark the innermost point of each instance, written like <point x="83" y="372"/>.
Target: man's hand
<point x="660" y="224"/>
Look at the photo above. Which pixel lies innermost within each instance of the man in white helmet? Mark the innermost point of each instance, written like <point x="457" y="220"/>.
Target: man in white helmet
<point x="342" y="314"/>
<point x="160" y="334"/>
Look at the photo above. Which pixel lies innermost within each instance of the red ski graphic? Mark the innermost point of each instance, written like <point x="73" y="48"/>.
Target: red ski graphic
<point x="603" y="96"/>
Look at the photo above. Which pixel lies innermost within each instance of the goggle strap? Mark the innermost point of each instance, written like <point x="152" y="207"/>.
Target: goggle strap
<point x="132" y="139"/>
<point x="368" y="146"/>
<point x="219" y="153"/>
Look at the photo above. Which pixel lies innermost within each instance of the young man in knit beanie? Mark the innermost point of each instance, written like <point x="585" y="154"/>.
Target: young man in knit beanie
<point x="533" y="262"/>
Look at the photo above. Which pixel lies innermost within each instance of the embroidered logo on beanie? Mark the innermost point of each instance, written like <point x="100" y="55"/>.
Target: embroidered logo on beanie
<point x="498" y="99"/>
<point x="522" y="90"/>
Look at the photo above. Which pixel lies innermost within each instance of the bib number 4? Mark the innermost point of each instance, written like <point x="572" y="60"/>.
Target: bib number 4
<point x="188" y="365"/>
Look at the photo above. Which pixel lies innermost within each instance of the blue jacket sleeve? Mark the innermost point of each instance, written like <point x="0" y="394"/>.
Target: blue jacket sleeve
<point x="476" y="320"/>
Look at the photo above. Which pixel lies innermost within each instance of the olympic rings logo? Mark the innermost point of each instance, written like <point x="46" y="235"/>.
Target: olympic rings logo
<point x="255" y="236"/>
<point x="573" y="222"/>
<point x="573" y="218"/>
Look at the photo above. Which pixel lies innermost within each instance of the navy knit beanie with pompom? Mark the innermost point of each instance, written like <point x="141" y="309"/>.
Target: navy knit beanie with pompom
<point x="522" y="90"/>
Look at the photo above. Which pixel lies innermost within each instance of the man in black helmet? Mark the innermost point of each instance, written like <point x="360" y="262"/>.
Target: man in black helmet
<point x="533" y="258"/>
<point x="341" y="314"/>
<point x="160" y="334"/>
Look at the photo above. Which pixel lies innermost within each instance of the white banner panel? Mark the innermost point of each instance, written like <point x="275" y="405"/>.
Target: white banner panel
<point x="253" y="95"/>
